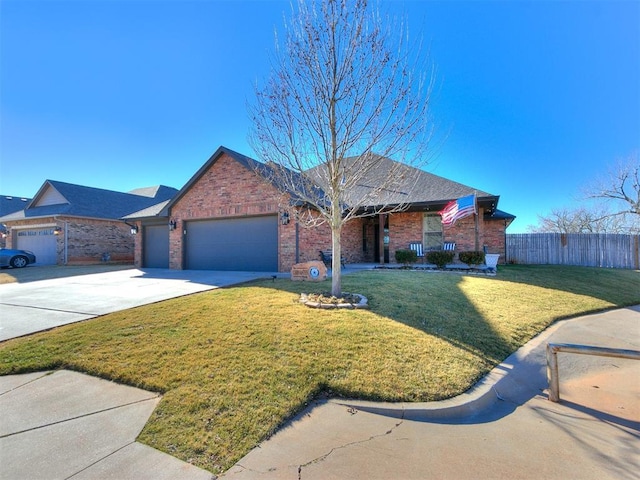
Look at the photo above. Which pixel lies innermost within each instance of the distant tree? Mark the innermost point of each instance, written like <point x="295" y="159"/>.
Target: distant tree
<point x="620" y="186"/>
<point x="617" y="189"/>
<point x="345" y="92"/>
<point x="580" y="220"/>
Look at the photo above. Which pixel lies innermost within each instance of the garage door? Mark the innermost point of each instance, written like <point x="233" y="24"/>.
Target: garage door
<point x="156" y="246"/>
<point x="242" y="244"/>
<point x="42" y="242"/>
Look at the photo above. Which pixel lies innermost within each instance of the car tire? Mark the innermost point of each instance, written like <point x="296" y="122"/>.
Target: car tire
<point x="19" y="261"/>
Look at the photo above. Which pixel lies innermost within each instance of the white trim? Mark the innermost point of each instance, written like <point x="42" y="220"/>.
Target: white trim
<point x="31" y="227"/>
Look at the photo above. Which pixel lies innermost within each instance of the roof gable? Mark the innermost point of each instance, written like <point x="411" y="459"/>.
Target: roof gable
<point x="266" y="172"/>
<point x="48" y="195"/>
<point x="61" y="198"/>
<point x="248" y="163"/>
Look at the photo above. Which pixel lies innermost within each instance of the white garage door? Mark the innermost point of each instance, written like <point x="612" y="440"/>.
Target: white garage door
<point x="241" y="244"/>
<point x="40" y="241"/>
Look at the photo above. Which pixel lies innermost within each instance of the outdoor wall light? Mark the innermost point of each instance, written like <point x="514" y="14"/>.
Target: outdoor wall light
<point x="284" y="218"/>
<point x="57" y="231"/>
<point x="172" y="224"/>
<point x="134" y="230"/>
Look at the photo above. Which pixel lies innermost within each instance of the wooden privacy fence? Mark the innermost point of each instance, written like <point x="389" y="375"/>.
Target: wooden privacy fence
<point x="584" y="249"/>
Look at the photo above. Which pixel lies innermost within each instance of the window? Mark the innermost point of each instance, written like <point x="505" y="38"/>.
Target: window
<point x="432" y="231"/>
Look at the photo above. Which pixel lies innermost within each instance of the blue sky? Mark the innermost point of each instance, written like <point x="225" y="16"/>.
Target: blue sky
<point x="535" y="99"/>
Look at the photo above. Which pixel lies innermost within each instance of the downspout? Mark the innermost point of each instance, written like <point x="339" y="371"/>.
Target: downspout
<point x="506" y="252"/>
<point x="66" y="243"/>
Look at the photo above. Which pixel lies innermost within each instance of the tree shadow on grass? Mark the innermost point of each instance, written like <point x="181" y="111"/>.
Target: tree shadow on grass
<point x="439" y="309"/>
<point x="436" y="304"/>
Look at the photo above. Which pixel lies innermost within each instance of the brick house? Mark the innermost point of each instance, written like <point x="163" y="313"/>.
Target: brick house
<point x="9" y="204"/>
<point x="67" y="224"/>
<point x="229" y="217"/>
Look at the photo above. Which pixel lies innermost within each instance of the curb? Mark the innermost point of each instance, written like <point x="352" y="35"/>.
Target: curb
<point x="482" y="395"/>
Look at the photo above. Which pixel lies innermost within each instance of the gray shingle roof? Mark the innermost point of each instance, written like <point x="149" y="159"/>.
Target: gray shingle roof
<point x="91" y="202"/>
<point x="500" y="215"/>
<point x="416" y="187"/>
<point x="412" y="186"/>
<point x="157" y="210"/>
<point x="10" y="204"/>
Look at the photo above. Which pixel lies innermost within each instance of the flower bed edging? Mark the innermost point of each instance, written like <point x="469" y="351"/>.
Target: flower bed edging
<point x="362" y="303"/>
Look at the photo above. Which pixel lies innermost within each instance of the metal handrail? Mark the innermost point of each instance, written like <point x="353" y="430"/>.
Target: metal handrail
<point x="552" y="361"/>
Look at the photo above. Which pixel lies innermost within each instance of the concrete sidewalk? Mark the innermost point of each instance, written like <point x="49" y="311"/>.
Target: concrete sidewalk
<point x="64" y="424"/>
<point x="69" y="425"/>
<point x="504" y="428"/>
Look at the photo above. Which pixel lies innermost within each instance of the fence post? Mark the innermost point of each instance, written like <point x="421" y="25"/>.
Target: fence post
<point x="552" y="373"/>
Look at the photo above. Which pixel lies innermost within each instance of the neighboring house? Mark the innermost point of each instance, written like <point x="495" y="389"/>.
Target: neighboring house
<point x="69" y="224"/>
<point x="9" y="204"/>
<point x="228" y="216"/>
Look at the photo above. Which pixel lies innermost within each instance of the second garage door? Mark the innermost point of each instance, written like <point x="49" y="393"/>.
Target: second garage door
<point x="241" y="244"/>
<point x="156" y="246"/>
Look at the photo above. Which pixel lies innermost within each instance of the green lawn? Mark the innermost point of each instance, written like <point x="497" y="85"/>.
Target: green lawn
<point x="235" y="363"/>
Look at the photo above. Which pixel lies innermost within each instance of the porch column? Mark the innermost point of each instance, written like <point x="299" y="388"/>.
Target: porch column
<point x="381" y="221"/>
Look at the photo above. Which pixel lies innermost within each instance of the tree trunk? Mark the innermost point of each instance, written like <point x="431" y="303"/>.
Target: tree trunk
<point x="336" y="272"/>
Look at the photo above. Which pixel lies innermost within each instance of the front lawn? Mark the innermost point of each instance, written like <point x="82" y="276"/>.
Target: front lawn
<point x="235" y="363"/>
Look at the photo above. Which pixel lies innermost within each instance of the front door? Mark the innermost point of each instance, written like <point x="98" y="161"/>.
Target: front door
<point x="385" y="239"/>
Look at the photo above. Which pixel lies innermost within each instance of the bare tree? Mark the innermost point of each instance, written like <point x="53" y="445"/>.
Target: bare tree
<point x="621" y="186"/>
<point x="346" y="91"/>
<point x="580" y="220"/>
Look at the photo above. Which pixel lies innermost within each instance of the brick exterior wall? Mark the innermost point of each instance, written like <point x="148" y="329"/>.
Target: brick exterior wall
<point x="87" y="239"/>
<point x="313" y="239"/>
<point x="490" y="233"/>
<point x="494" y="235"/>
<point x="463" y="234"/>
<point x="404" y="228"/>
<point x="226" y="190"/>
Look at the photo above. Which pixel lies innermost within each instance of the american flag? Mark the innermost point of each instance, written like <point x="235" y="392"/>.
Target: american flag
<point x="456" y="209"/>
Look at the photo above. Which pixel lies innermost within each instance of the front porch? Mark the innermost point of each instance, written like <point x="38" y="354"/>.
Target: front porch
<point x="424" y="267"/>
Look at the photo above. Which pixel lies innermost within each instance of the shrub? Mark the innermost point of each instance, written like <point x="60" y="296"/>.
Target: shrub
<point x="473" y="257"/>
<point x="406" y="256"/>
<point x="440" y="257"/>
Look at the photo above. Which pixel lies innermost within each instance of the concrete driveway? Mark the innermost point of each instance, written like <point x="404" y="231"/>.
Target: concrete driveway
<point x="30" y="307"/>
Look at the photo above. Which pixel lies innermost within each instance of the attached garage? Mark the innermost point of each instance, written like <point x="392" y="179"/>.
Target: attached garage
<point x="42" y="242"/>
<point x="240" y="244"/>
<point x="155" y="250"/>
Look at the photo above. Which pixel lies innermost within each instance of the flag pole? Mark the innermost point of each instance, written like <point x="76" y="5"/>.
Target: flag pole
<point x="475" y="211"/>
